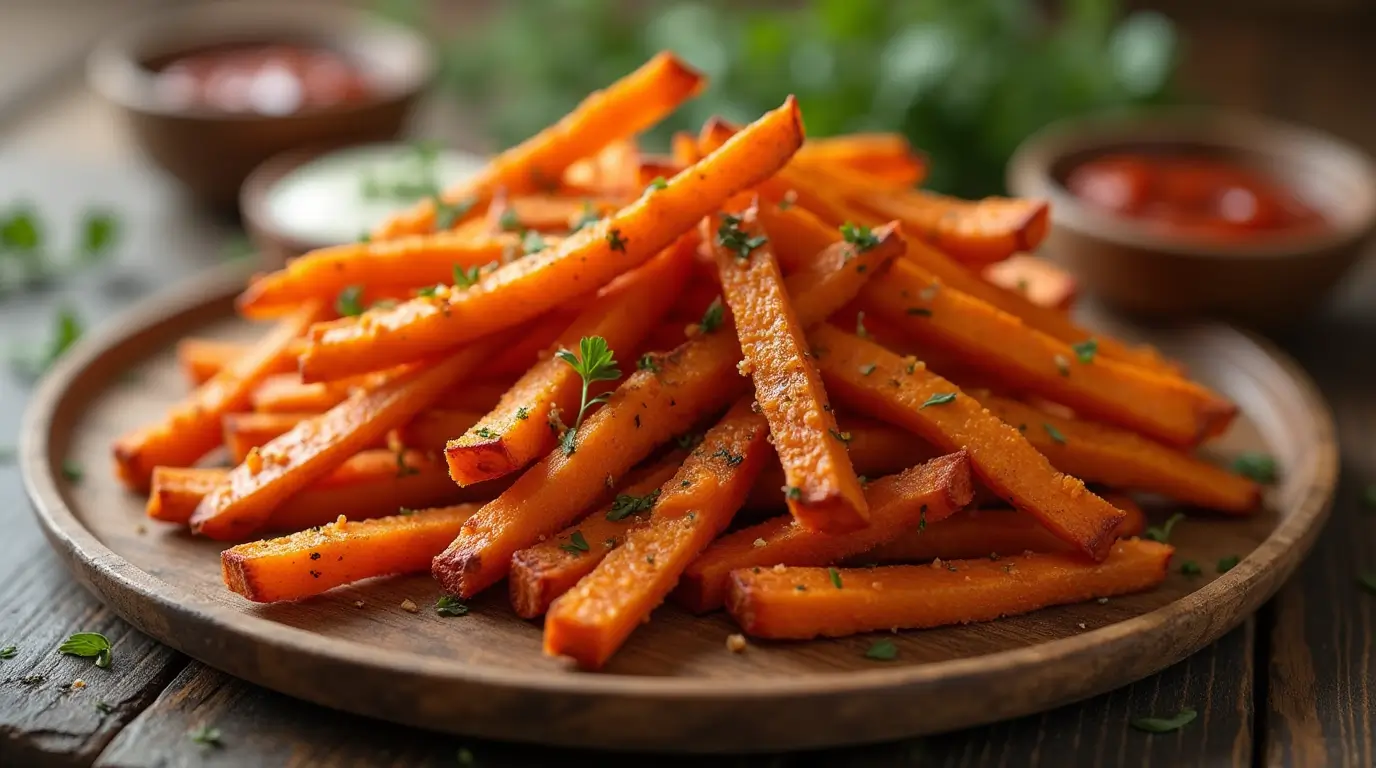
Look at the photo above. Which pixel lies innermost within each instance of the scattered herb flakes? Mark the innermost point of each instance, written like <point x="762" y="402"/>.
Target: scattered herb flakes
<point x="647" y="362"/>
<point x="88" y="645"/>
<point x="533" y="243"/>
<point x="835" y="577"/>
<point x="1366" y="581"/>
<point x="9" y="652"/>
<point x="650" y="559"/>
<point x="732" y="459"/>
<point x="867" y="369"/>
<point x="349" y="301"/>
<point x="658" y="183"/>
<point x="626" y="505"/>
<point x="206" y="736"/>
<point x="1256" y="466"/>
<point x="466" y="277"/>
<point x="615" y="241"/>
<point x="449" y="214"/>
<point x="448" y="605"/>
<point x="99" y="233"/>
<point x="509" y="221"/>
<point x="72" y="471"/>
<point x="577" y="544"/>
<point x="941" y="398"/>
<point x="859" y="236"/>
<point x="844" y="437"/>
<point x="1165" y="724"/>
<point x="428" y="291"/>
<point x="713" y="317"/>
<point x="1190" y="568"/>
<point x="589" y="218"/>
<point x="793" y="492"/>
<point x="486" y="433"/>
<point x="1163" y="533"/>
<point x="103" y="708"/>
<point x="1228" y="563"/>
<point x="731" y="237"/>
<point x="882" y="650"/>
<point x="1054" y="433"/>
<point x="1086" y="350"/>
<point x="595" y="361"/>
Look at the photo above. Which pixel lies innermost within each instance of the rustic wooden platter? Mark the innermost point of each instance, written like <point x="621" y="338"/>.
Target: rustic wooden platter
<point x="674" y="686"/>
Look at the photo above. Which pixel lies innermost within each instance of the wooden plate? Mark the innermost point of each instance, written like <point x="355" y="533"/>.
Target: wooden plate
<point x="675" y="685"/>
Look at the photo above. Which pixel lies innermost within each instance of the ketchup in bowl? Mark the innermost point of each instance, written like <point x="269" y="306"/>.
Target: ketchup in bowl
<point x="1191" y="194"/>
<point x="264" y="79"/>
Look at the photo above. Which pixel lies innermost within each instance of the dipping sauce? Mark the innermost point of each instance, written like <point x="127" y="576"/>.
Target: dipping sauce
<point x="1192" y="194"/>
<point x="265" y="79"/>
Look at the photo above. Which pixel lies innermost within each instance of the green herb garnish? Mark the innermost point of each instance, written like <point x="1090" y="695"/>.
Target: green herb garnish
<point x="1190" y="568"/>
<point x="713" y="317"/>
<point x="465" y="277"/>
<point x="844" y="437"/>
<point x="882" y="650"/>
<point x="589" y="218"/>
<point x="72" y="471"/>
<point x="1228" y="563"/>
<point x="732" y="459"/>
<point x="731" y="237"/>
<point x="1054" y="433"/>
<point x="941" y="398"/>
<point x="349" y="301"/>
<point x="626" y="505"/>
<point x="449" y="214"/>
<point x="659" y="183"/>
<point x="206" y="736"/>
<point x="1164" y="724"/>
<point x="647" y="362"/>
<point x="859" y="236"/>
<point x="595" y="361"/>
<point x="1085" y="350"/>
<point x="509" y="221"/>
<point x="1256" y="466"/>
<point x="577" y="544"/>
<point x="448" y="605"/>
<point x="835" y="577"/>
<point x="1163" y="533"/>
<point x="533" y="243"/>
<point x="793" y="492"/>
<point x="9" y="652"/>
<point x="88" y="645"/>
<point x="615" y="241"/>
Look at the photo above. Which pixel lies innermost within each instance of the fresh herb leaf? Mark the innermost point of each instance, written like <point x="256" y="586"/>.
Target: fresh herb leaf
<point x="465" y="277"/>
<point x="793" y="492"/>
<point x="615" y="241"/>
<point x="941" y="398"/>
<point x="9" y="652"/>
<point x="859" y="236"/>
<point x="72" y="471"/>
<point x="659" y="183"/>
<point x="1190" y="568"/>
<point x="104" y="708"/>
<point x="1228" y="563"/>
<point x="1256" y="466"/>
<point x="533" y="243"/>
<point x="448" y="605"/>
<point x="99" y="232"/>
<point x="626" y="505"/>
<point x="20" y="231"/>
<point x="835" y="577"/>
<point x="509" y="221"/>
<point x="449" y="214"/>
<point x="349" y="301"/>
<point x="713" y="317"/>
<point x="1163" y="533"/>
<point x="731" y="237"/>
<point x="206" y="736"/>
<point x="1086" y="350"/>
<point x="88" y="645"/>
<point x="1165" y="724"/>
<point x="428" y="291"/>
<point x="1054" y="433"/>
<point x="595" y="361"/>
<point x="577" y="543"/>
<point x="647" y="362"/>
<point x="882" y="650"/>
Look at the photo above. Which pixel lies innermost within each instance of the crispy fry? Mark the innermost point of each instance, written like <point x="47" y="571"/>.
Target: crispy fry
<point x="627" y="107"/>
<point x="976" y="232"/>
<point x="192" y="428"/>
<point x="652" y="405"/>
<point x="246" y="431"/>
<point x="589" y="258"/>
<point x="790" y="183"/>
<point x="1100" y="453"/>
<point x="1034" y="278"/>
<point x="367" y="485"/>
<point x="1165" y="407"/>
<point x="590" y="621"/>
<point x="796" y="234"/>
<point x="882" y="157"/>
<point x="319" y="559"/>
<point x="403" y="264"/>
<point x="873" y="380"/>
<point x="544" y="571"/>
<point x="284" y="393"/>
<point x="517" y="431"/>
<point x="200" y="359"/>
<point x="974" y="533"/>
<point x="802" y="603"/>
<point x="911" y="500"/>
<point x="313" y="448"/>
<point x="824" y="493"/>
<point x="432" y="429"/>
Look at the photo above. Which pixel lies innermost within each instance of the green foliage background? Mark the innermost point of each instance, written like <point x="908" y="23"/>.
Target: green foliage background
<point x="964" y="80"/>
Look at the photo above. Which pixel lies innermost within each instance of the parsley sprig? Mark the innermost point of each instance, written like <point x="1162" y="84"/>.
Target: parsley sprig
<point x="88" y="645"/>
<point x="859" y="236"/>
<point x="626" y="505"/>
<point x="731" y="237"/>
<point x="595" y="361"/>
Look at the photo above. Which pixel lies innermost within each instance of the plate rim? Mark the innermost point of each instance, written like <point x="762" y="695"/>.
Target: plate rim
<point x="115" y="580"/>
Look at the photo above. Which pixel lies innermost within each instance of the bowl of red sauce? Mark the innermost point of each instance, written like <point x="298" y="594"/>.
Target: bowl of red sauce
<point x="212" y="91"/>
<point x="1200" y="212"/>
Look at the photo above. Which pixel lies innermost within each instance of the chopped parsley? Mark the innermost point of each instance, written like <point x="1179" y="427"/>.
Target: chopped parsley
<point x="1259" y="467"/>
<point x="1165" y="724"/>
<point x="448" y="605"/>
<point x="449" y="214"/>
<point x="615" y="241"/>
<point x="626" y="505"/>
<point x="522" y="413"/>
<point x="1086" y="350"/>
<point x="577" y="544"/>
<point x="844" y="437"/>
<point x="428" y="292"/>
<point x="1163" y="533"/>
<point x="206" y="736"/>
<point x="1228" y="563"/>
<point x="731" y="237"/>
<point x="882" y="650"/>
<point x="659" y="183"/>
<point x="647" y="362"/>
<point x="732" y="459"/>
<point x="533" y="243"/>
<point x="1054" y="433"/>
<point x="595" y="361"/>
<point x="404" y="469"/>
<point x="793" y="492"/>
<point x="713" y="317"/>
<point x="859" y="236"/>
<point x="465" y="277"/>
<point x="348" y="303"/>
<point x="72" y="471"/>
<point x="835" y="577"/>
<point x="9" y="652"/>
<point x="509" y="221"/>
<point x="941" y="398"/>
<point x="88" y="645"/>
<point x="589" y="217"/>
<point x="867" y="369"/>
<point x="1190" y="568"/>
<point x="484" y="432"/>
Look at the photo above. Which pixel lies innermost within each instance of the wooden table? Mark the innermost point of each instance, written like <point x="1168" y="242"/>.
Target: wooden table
<point x="1292" y="686"/>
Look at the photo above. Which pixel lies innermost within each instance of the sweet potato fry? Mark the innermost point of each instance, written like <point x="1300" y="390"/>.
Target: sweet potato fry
<point x="590" y="621"/>
<point x="1050" y="321"/>
<point x="614" y="170"/>
<point x="313" y="448"/>
<point x="1036" y="279"/>
<point x="544" y="571"/>
<point x="803" y="603"/>
<point x="284" y="393"/>
<point x="871" y="379"/>
<point x="1099" y="453"/>
<point x="406" y="263"/>
<point x="200" y="359"/>
<point x="977" y="232"/>
<point x="975" y="532"/>
<point x="823" y="492"/>
<point x="587" y="259"/>
<point x="912" y="499"/>
<point x="796" y="234"/>
<point x="317" y="560"/>
<point x="246" y="431"/>
<point x="627" y="107"/>
<point x="789" y="184"/>
<point x="517" y="431"/>
<point x="432" y="429"/>
<point x="370" y="484"/>
<point x="885" y="158"/>
<point x="666" y="398"/>
<point x="1167" y="408"/>
<point x="552" y="215"/>
<point x="191" y="429"/>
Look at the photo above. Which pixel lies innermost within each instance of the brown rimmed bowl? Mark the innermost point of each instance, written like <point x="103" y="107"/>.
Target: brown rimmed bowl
<point x="212" y="151"/>
<point x="1142" y="269"/>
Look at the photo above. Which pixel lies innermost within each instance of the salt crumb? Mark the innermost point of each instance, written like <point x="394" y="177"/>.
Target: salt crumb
<point x="1081" y="625"/>
<point x="760" y="542"/>
<point x="1103" y="600"/>
<point x="937" y="563"/>
<point x="358" y="603"/>
<point x="779" y="568"/>
<point x="408" y="606"/>
<point x="735" y="643"/>
<point x="78" y="684"/>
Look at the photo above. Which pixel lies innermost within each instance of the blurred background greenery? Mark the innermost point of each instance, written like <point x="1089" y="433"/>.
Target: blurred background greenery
<point x="964" y="80"/>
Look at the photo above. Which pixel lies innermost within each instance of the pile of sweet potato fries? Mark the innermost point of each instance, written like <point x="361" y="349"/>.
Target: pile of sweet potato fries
<point x="597" y="373"/>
